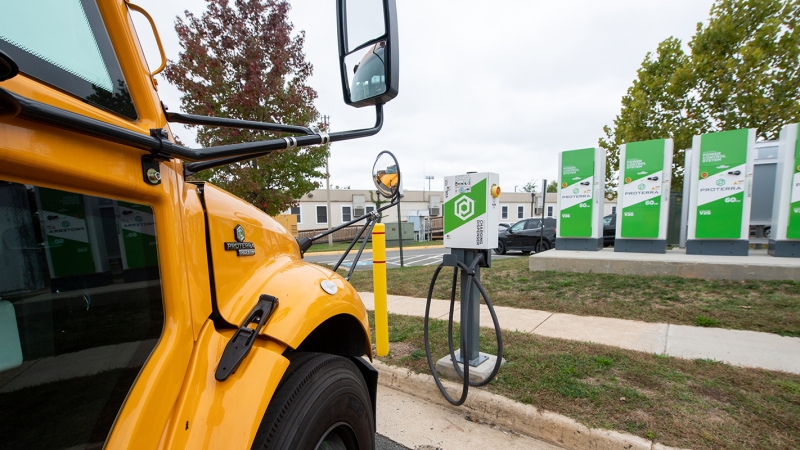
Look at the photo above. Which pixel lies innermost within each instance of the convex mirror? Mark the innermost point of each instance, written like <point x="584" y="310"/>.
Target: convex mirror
<point x="386" y="174"/>
<point x="368" y="57"/>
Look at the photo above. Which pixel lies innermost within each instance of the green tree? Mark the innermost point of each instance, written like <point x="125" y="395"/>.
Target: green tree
<point x="657" y="106"/>
<point x="530" y="187"/>
<point x="241" y="61"/>
<point x="552" y="186"/>
<point x="743" y="71"/>
<point x="746" y="65"/>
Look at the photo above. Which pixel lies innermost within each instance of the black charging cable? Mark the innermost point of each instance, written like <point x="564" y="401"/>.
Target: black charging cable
<point x="465" y="338"/>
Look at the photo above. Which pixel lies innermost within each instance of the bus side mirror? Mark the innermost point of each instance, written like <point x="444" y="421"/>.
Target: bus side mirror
<point x="368" y="56"/>
<point x="8" y="68"/>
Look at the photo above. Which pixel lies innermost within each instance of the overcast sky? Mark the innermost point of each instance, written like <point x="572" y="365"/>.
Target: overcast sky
<point x="498" y="86"/>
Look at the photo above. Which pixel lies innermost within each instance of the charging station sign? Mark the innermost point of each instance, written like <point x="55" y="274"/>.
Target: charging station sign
<point x="576" y="193"/>
<point x="63" y="219"/>
<point x="793" y="228"/>
<point x="138" y="235"/>
<point x="721" y="176"/>
<point x="471" y="213"/>
<point x="643" y="184"/>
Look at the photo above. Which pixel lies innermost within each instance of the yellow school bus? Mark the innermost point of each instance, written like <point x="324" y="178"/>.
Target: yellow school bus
<point x="138" y="309"/>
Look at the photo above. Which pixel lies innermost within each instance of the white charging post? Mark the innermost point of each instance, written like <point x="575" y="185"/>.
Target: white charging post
<point x="471" y="216"/>
<point x="719" y="210"/>
<point x="785" y="239"/>
<point x="581" y="182"/>
<point x="645" y="170"/>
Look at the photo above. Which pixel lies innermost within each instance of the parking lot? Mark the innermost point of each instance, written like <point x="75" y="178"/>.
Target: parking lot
<point x="411" y="257"/>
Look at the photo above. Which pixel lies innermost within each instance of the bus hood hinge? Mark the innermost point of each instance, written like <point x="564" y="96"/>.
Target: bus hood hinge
<point x="244" y="338"/>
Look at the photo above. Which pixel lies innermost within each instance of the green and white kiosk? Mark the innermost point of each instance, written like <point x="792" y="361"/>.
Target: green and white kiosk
<point x="137" y="242"/>
<point x="643" y="196"/>
<point x="785" y="239"/>
<point x="719" y="211"/>
<point x="73" y="234"/>
<point x="580" y="199"/>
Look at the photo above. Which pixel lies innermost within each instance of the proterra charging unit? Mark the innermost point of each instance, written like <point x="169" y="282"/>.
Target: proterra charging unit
<point x="785" y="239"/>
<point x="643" y="191"/>
<point x="719" y="209"/>
<point x="580" y="199"/>
<point x="471" y="216"/>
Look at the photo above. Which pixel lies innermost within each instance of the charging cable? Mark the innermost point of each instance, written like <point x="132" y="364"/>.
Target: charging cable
<point x="466" y="306"/>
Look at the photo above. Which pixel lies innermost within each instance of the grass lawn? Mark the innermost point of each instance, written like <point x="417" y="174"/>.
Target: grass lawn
<point x="697" y="404"/>
<point x="769" y="306"/>
<point x="342" y="246"/>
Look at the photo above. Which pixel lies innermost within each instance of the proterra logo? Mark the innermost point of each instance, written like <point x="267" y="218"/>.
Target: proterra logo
<point x="65" y="224"/>
<point x="464" y="208"/>
<point x="721" y="182"/>
<point x="238" y="233"/>
<point x="575" y="191"/>
<point x="641" y="186"/>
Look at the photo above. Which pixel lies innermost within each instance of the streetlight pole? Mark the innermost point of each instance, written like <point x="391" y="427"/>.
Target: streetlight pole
<point x="429" y="178"/>
<point x="544" y="197"/>
<point x="328" y="180"/>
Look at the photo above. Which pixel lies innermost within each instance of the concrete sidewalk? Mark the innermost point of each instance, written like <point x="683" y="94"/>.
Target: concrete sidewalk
<point x="737" y="347"/>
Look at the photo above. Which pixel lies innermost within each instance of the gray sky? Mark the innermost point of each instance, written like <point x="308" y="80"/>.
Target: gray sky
<point x="498" y="86"/>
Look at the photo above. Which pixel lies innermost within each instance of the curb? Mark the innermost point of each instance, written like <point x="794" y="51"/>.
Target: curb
<point x="523" y="419"/>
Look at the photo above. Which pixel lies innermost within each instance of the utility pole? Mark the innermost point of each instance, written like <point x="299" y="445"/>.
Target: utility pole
<point x="544" y="197"/>
<point x="328" y="180"/>
<point x="429" y="178"/>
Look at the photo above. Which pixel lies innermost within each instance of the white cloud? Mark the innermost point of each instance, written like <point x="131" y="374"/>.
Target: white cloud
<point x="501" y="86"/>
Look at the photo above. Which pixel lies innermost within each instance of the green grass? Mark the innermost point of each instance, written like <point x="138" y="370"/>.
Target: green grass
<point x="342" y="246"/>
<point x="700" y="404"/>
<point x="768" y="306"/>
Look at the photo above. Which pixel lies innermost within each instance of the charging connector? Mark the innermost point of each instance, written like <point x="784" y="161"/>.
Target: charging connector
<point x="466" y="306"/>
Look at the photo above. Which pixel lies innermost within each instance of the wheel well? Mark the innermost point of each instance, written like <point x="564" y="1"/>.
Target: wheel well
<point x="340" y="335"/>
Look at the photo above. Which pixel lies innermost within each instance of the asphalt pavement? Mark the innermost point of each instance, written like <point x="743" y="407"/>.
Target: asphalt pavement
<point x="383" y="443"/>
<point x="412" y="256"/>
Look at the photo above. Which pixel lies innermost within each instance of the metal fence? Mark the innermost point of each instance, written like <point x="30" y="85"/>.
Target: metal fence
<point x="348" y="233"/>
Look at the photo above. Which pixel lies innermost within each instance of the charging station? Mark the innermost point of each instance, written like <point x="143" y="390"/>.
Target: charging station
<point x="137" y="242"/>
<point x="471" y="216"/>
<point x="471" y="211"/>
<point x="643" y="191"/>
<point x="785" y="239"/>
<point x="73" y="230"/>
<point x="581" y="181"/>
<point x="719" y="211"/>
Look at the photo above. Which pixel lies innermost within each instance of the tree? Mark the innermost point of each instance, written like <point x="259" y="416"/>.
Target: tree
<point x="242" y="62"/>
<point x="552" y="186"/>
<point x="657" y="106"/>
<point x="379" y="201"/>
<point x="530" y="187"/>
<point x="746" y="65"/>
<point x="743" y="72"/>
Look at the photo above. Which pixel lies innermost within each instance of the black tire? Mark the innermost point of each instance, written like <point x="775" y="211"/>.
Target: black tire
<point x="501" y="248"/>
<point x="542" y="246"/>
<point x="322" y="402"/>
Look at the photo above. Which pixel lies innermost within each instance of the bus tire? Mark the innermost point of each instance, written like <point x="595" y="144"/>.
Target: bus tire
<point x="322" y="402"/>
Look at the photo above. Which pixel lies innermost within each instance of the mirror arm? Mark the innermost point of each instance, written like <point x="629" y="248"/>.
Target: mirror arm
<point x="15" y="105"/>
<point x="280" y="144"/>
<point x="357" y="134"/>
<point x="193" y="119"/>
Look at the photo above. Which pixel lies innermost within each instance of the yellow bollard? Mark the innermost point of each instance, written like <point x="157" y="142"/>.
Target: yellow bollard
<point x="379" y="288"/>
